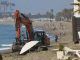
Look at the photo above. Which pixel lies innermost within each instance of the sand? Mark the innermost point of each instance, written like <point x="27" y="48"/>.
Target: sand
<point x="60" y="28"/>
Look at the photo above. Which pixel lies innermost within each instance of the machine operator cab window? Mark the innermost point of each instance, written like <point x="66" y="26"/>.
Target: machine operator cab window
<point x="39" y="36"/>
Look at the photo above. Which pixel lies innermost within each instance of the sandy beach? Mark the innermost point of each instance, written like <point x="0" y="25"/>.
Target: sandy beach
<point x="60" y="28"/>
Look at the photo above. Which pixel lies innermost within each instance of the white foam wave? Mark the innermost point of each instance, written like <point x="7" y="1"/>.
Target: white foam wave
<point x="6" y="45"/>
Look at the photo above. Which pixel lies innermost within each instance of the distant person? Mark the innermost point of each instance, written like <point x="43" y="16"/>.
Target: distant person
<point x="1" y="57"/>
<point x="56" y="38"/>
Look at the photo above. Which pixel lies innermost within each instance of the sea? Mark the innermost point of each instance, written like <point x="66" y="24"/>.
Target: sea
<point x="7" y="35"/>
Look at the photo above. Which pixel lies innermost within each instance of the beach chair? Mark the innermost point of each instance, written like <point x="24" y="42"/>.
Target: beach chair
<point x="68" y="50"/>
<point x="61" y="56"/>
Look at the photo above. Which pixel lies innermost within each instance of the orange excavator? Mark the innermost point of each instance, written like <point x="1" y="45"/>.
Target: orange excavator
<point x="40" y="36"/>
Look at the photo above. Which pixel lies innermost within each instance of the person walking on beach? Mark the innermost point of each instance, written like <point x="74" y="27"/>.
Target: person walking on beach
<point x="56" y="38"/>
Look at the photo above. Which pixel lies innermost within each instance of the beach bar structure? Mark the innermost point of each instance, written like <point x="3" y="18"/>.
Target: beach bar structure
<point x="76" y="21"/>
<point x="76" y="29"/>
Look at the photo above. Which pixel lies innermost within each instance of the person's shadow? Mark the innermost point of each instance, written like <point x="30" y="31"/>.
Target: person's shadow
<point x="1" y="57"/>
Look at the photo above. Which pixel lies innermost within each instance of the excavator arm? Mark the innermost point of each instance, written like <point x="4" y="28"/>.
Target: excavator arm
<point x="28" y="24"/>
<point x="22" y="19"/>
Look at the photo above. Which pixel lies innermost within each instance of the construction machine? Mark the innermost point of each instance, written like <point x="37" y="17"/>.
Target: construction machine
<point x="31" y="35"/>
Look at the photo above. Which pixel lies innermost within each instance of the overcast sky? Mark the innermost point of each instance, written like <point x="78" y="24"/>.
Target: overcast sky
<point x="35" y="6"/>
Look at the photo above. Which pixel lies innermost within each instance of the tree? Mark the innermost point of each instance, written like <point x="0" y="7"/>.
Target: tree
<point x="48" y="14"/>
<point x="58" y="16"/>
<point x="64" y="14"/>
<point x="51" y="14"/>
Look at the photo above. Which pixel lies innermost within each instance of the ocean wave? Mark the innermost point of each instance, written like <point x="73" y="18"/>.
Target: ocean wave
<point x="6" y="45"/>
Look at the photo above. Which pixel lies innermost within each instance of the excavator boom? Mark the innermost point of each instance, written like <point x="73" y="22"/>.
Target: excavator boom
<point x="22" y="19"/>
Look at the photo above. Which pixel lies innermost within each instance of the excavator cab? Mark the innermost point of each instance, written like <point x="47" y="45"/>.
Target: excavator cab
<point x="42" y="38"/>
<point x="39" y="36"/>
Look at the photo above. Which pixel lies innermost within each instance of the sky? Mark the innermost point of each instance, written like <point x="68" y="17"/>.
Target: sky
<point x="41" y="6"/>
